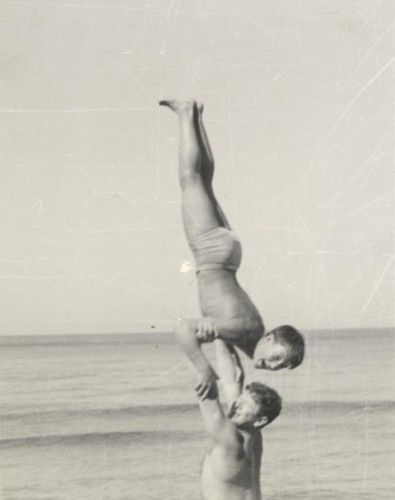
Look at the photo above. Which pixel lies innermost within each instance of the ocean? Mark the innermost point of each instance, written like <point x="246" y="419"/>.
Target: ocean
<point x="114" y="417"/>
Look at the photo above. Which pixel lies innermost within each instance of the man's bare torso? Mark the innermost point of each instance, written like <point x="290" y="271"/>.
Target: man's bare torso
<point x="227" y="477"/>
<point x="221" y="296"/>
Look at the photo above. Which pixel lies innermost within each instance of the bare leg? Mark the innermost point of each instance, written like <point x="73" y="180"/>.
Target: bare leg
<point x="199" y="208"/>
<point x="208" y="170"/>
<point x="206" y="149"/>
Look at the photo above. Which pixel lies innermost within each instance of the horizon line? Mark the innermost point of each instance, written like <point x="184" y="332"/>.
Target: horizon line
<point x="165" y="332"/>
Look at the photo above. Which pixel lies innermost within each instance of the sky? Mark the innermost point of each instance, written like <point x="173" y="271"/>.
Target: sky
<point x="299" y="110"/>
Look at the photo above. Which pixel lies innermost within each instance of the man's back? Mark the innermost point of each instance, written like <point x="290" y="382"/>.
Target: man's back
<point x="233" y="475"/>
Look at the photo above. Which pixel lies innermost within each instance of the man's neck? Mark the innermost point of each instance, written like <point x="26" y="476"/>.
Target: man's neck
<point x="248" y="433"/>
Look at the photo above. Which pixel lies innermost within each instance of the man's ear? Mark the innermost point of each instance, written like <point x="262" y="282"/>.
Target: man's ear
<point x="269" y="337"/>
<point x="260" y="422"/>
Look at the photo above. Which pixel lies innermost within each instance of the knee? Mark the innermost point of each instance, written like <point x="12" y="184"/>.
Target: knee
<point x="189" y="165"/>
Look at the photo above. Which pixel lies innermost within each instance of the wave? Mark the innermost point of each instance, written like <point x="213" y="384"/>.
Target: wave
<point x="127" y="438"/>
<point x="170" y="422"/>
<point x="136" y="411"/>
<point x="171" y="409"/>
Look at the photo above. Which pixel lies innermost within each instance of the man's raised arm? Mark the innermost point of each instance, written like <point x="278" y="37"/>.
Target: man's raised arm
<point x="217" y="425"/>
<point x="229" y="370"/>
<point x="185" y="332"/>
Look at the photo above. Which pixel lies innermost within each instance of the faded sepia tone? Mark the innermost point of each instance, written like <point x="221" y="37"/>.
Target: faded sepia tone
<point x="299" y="109"/>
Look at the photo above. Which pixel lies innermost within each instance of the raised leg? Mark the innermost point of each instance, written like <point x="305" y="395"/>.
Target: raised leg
<point x="208" y="168"/>
<point x="199" y="208"/>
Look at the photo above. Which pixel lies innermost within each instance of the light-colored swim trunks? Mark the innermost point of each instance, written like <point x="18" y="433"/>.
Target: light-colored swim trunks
<point x="219" y="248"/>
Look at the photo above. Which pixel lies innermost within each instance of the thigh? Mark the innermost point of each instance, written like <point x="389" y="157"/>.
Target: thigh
<point x="199" y="209"/>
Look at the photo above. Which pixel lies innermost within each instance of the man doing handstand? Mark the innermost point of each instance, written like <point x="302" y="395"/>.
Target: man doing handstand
<point x="228" y="312"/>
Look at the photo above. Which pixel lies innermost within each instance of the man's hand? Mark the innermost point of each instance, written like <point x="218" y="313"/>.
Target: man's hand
<point x="207" y="385"/>
<point x="206" y="330"/>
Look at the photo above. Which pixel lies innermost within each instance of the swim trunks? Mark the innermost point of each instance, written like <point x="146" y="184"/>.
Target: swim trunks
<point x="219" y="248"/>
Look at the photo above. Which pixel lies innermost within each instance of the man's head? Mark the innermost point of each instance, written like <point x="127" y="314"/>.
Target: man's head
<point x="282" y="347"/>
<point x="257" y="406"/>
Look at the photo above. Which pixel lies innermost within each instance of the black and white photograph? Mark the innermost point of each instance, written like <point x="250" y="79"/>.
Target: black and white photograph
<point x="197" y="250"/>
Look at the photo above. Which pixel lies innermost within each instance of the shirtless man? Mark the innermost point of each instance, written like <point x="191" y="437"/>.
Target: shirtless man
<point x="231" y="466"/>
<point x="228" y="312"/>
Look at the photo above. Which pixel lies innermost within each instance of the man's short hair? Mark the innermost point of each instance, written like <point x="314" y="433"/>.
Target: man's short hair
<point x="293" y="340"/>
<point x="268" y="400"/>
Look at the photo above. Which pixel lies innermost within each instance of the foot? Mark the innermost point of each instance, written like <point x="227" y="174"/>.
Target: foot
<point x="178" y="105"/>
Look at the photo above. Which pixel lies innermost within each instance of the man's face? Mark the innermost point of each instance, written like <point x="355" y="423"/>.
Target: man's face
<point x="245" y="410"/>
<point x="269" y="354"/>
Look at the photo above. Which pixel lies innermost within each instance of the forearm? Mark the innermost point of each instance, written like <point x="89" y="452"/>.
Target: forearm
<point x="226" y="368"/>
<point x="185" y="332"/>
<point x="230" y="370"/>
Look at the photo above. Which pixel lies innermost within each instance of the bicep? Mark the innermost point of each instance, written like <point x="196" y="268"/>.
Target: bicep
<point x="217" y="425"/>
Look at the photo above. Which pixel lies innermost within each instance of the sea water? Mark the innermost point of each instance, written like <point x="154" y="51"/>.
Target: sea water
<point x="115" y="418"/>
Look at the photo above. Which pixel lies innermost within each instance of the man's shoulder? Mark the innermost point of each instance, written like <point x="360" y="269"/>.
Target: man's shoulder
<point x="231" y="449"/>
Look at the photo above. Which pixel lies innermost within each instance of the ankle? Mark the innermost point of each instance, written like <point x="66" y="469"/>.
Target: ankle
<point x="186" y="110"/>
